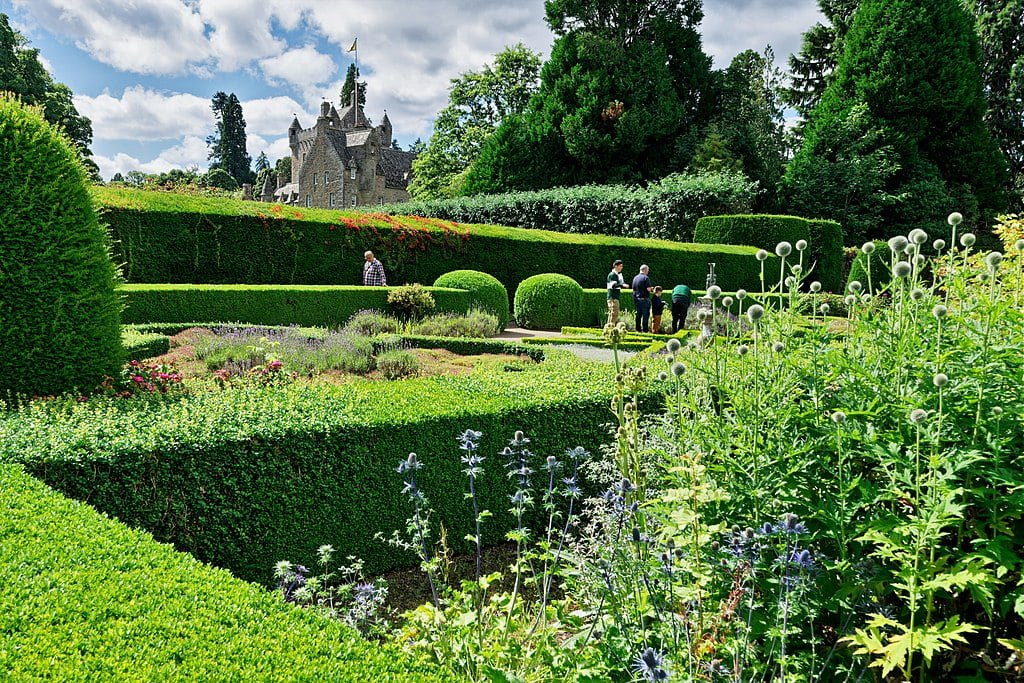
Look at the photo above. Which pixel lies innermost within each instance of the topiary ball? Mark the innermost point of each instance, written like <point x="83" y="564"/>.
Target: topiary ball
<point x="59" y="311"/>
<point x="548" y="302"/>
<point x="487" y="291"/>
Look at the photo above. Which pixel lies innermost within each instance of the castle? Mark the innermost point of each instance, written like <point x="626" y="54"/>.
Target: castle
<point x="342" y="161"/>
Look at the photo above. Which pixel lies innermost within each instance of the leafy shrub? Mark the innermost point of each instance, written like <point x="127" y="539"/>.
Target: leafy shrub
<point x="328" y="306"/>
<point x="880" y="263"/>
<point x="220" y="179"/>
<point x="548" y="301"/>
<point x="487" y="291"/>
<point x="371" y="323"/>
<point x="129" y="605"/>
<point x="476" y="323"/>
<point x="411" y="301"/>
<point x="59" y="327"/>
<point x="824" y="238"/>
<point x="167" y="238"/>
<point x="666" y="210"/>
<point x="240" y="351"/>
<point x="397" y="364"/>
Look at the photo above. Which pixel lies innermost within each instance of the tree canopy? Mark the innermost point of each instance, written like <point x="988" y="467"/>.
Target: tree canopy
<point x="345" y="97"/>
<point x="228" y="144"/>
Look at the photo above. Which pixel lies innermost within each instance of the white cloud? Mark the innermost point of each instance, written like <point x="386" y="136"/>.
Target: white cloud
<point x="275" y="149"/>
<point x="146" y="115"/>
<point x="141" y="36"/>
<point x="732" y="26"/>
<point x="191" y="152"/>
<point x="273" y="115"/>
<point x="302" y="68"/>
<point x="240" y="31"/>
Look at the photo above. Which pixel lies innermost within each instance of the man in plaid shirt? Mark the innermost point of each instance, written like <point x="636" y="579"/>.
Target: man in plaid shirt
<point x="373" y="272"/>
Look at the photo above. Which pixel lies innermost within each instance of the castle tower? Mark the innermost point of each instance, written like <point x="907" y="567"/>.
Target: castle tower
<point x="293" y="143"/>
<point x="385" y="130"/>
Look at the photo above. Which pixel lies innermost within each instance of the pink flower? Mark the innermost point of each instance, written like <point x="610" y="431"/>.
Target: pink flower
<point x="138" y="379"/>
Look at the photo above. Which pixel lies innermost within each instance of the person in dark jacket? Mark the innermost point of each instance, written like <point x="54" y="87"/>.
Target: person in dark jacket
<point x="657" y="308"/>
<point x="642" y="299"/>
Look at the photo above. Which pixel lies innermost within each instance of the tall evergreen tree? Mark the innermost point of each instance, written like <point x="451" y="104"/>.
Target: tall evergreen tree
<point x="1000" y="28"/>
<point x="23" y="74"/>
<point x="624" y="81"/>
<point x="345" y="97"/>
<point x="812" y="68"/>
<point x="228" y="144"/>
<point x="907" y="90"/>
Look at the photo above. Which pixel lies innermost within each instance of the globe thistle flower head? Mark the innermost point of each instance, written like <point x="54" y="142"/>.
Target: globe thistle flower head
<point x="714" y="291"/>
<point x="855" y="287"/>
<point x="761" y="255"/>
<point x="778" y="347"/>
<point x="898" y="244"/>
<point x="919" y="260"/>
<point x="824" y="308"/>
<point x="993" y="259"/>
<point x="1019" y="245"/>
<point x="917" y="294"/>
<point x="678" y="369"/>
<point x="703" y="316"/>
<point x="790" y="281"/>
<point x="673" y="345"/>
<point x="918" y="415"/>
<point x="839" y="417"/>
<point x="968" y="239"/>
<point x="742" y="349"/>
<point x="868" y="248"/>
<point x="741" y="294"/>
<point x="801" y="245"/>
<point x="866" y="298"/>
<point x="662" y="376"/>
<point x="901" y="269"/>
<point x="849" y="300"/>
<point x="918" y="236"/>
<point x="939" y="245"/>
<point x="940" y="311"/>
<point x="955" y="219"/>
<point x="649" y="665"/>
<point x="783" y="249"/>
<point x="940" y="380"/>
<point x="726" y="301"/>
<point x="815" y="286"/>
<point x="755" y="313"/>
<point x="796" y="269"/>
<point x="997" y="410"/>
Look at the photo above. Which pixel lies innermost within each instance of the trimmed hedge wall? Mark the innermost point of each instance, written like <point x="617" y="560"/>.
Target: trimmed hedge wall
<point x="824" y="240"/>
<point x="167" y="238"/>
<point x="308" y="305"/>
<point x="85" y="598"/>
<point x="667" y="210"/>
<point x="243" y="479"/>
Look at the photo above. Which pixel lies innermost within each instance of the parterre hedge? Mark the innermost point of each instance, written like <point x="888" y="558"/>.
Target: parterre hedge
<point x="324" y="306"/>
<point x="166" y="238"/>
<point x="138" y="346"/>
<point x="243" y="479"/>
<point x="667" y="210"/>
<point x="85" y="598"/>
<point x="486" y="291"/>
<point x="824" y="239"/>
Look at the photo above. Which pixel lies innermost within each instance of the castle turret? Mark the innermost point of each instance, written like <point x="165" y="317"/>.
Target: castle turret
<point x="385" y="130"/>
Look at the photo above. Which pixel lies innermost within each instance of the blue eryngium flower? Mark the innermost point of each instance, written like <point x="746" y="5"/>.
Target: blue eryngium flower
<point x="650" y="665"/>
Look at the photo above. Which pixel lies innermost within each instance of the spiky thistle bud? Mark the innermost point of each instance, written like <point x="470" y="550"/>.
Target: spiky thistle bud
<point x="940" y="380"/>
<point x="955" y="219"/>
<point x="939" y="245"/>
<point x="898" y="244"/>
<point x="855" y="287"/>
<point x="801" y="245"/>
<point x="868" y="248"/>
<point x="940" y="311"/>
<point x="755" y="313"/>
<point x="783" y="249"/>
<point x="815" y="286"/>
<point x="761" y="255"/>
<point x="967" y="239"/>
<point x="918" y="415"/>
<point x="901" y="269"/>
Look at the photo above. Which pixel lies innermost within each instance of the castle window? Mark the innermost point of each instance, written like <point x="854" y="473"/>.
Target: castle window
<point x="309" y="201"/>
<point x="314" y="180"/>
<point x="325" y="177"/>
<point x="353" y="201"/>
<point x="380" y="201"/>
<point x="330" y="199"/>
<point x="352" y="173"/>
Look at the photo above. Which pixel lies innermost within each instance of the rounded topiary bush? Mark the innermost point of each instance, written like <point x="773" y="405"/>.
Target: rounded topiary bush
<point x="548" y="302"/>
<point x="488" y="292"/>
<point x="880" y="261"/>
<point x="59" y="312"/>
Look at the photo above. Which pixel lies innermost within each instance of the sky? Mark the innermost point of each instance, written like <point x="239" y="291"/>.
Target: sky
<point x="144" y="70"/>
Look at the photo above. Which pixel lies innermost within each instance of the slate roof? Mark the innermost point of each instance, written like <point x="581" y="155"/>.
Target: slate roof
<point x="396" y="167"/>
<point x="353" y="118"/>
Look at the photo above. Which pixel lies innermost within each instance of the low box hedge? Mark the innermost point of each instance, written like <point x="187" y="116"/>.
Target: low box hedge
<point x="168" y="238"/>
<point x="824" y="241"/>
<point x="139" y="346"/>
<point x="85" y="598"/>
<point x="243" y="479"/>
<point x="307" y="305"/>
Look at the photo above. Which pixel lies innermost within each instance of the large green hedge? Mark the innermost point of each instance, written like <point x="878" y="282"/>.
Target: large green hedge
<point x="59" y="326"/>
<point x="666" y="210"/>
<point x="85" y="598"/>
<point x="167" y="238"/>
<point x="267" y="304"/>
<point x="548" y="301"/>
<point x="243" y="479"/>
<point x="824" y="239"/>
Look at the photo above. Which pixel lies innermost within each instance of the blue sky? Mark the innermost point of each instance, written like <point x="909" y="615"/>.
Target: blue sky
<point x="144" y="70"/>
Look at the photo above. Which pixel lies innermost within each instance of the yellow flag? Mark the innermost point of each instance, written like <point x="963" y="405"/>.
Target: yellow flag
<point x="353" y="48"/>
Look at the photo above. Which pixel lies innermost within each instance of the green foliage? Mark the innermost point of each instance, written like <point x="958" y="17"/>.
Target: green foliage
<point x="811" y="70"/>
<point x="59" y="327"/>
<point x="714" y="156"/>
<point x="412" y="302"/>
<point x="349" y="87"/>
<point x="219" y="178"/>
<point x="326" y="306"/>
<point x="397" y="364"/>
<point x="824" y="238"/>
<point x="371" y="322"/>
<point x="243" y="478"/>
<point x="667" y="209"/>
<point x="548" y="301"/>
<point x="486" y="291"/>
<point x="162" y="237"/>
<point x="228" y="143"/>
<point x="478" y="101"/>
<point x="475" y="323"/>
<point x="22" y="74"/>
<point x="139" y="346"/>
<point x="899" y="134"/>
<point x="879" y="262"/>
<point x="130" y="608"/>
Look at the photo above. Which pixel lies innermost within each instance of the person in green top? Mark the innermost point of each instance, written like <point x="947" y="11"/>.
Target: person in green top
<point x="681" y="297"/>
<point x="614" y="285"/>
